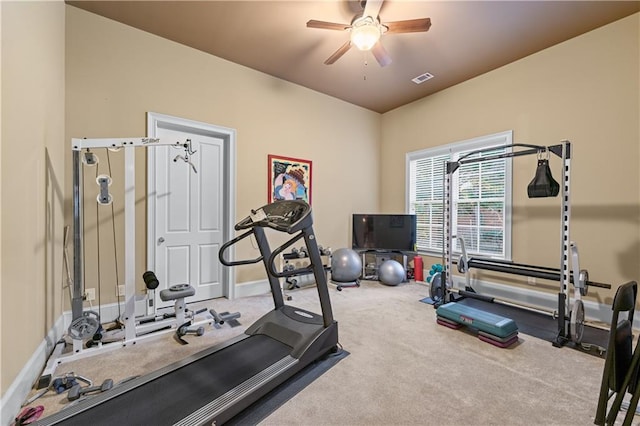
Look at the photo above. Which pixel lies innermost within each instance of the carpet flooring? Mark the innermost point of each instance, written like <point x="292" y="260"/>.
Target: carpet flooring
<point x="402" y="368"/>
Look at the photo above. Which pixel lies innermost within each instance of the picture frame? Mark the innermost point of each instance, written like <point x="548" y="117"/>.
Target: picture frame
<point x="288" y="179"/>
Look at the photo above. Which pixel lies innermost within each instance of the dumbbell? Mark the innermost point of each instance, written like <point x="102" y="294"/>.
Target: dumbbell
<point x="184" y="330"/>
<point x="77" y="391"/>
<point x="435" y="268"/>
<point x="302" y="252"/>
<point x="61" y="384"/>
<point x="293" y="283"/>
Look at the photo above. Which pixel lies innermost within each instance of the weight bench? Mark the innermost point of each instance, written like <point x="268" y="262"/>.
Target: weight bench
<point x="494" y="329"/>
<point x="178" y="292"/>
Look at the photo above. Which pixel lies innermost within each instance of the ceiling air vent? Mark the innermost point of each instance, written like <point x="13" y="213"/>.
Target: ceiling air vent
<point x="422" y="78"/>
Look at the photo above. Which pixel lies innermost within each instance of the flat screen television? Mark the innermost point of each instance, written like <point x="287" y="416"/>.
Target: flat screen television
<point x="384" y="232"/>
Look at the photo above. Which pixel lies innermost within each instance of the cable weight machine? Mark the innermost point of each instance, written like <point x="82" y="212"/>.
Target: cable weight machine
<point x="569" y="313"/>
<point x="86" y="324"/>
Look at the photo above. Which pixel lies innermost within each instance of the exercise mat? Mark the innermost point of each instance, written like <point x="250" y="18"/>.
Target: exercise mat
<point x="594" y="340"/>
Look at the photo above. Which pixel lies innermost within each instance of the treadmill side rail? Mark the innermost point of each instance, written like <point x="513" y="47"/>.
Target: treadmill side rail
<point x="211" y="413"/>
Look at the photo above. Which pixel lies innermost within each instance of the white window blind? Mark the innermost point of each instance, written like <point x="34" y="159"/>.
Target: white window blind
<point x="481" y="197"/>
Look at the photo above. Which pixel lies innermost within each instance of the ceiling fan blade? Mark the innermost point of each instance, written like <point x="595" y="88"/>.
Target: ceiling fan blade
<point x="408" y="26"/>
<point x="372" y="8"/>
<point x="381" y="54"/>
<point x="326" y="25"/>
<point x="338" y="53"/>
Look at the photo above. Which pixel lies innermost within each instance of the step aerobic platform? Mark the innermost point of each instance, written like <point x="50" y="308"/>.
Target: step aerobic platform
<point x="492" y="328"/>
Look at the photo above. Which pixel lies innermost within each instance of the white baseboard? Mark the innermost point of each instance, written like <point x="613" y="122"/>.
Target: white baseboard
<point x="257" y="288"/>
<point x="29" y="375"/>
<point x="252" y="288"/>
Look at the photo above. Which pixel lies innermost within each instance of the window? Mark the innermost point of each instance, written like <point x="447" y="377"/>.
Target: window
<point x="481" y="197"/>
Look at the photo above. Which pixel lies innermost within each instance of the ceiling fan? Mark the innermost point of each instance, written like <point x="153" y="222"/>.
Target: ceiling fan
<point x="366" y="29"/>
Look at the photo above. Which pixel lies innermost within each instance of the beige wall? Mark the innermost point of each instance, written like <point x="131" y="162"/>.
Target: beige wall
<point x="584" y="90"/>
<point x="115" y="74"/>
<point x="32" y="177"/>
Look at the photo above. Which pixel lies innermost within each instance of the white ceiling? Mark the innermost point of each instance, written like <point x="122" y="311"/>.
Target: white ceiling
<point x="466" y="38"/>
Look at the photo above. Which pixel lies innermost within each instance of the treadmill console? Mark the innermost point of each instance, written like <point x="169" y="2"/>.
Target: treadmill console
<point x="286" y="216"/>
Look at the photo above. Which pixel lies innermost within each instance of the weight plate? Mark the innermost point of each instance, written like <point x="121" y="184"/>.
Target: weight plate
<point x="436" y="290"/>
<point x="584" y="279"/>
<point x="83" y="328"/>
<point x="577" y="321"/>
<point x="179" y="287"/>
<point x="91" y="314"/>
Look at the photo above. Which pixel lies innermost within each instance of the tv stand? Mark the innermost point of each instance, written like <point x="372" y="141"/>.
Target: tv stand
<point x="372" y="259"/>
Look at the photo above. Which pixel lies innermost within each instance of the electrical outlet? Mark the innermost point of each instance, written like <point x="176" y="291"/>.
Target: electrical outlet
<point x="531" y="280"/>
<point x="90" y="294"/>
<point x="121" y="290"/>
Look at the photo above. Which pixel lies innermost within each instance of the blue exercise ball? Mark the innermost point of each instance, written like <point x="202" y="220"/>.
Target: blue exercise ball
<point x="391" y="272"/>
<point x="346" y="265"/>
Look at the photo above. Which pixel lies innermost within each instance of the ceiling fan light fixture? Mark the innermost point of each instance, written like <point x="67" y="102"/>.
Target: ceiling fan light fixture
<point x="365" y="34"/>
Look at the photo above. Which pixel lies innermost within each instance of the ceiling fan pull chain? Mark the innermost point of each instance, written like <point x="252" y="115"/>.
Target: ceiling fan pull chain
<point x="366" y="64"/>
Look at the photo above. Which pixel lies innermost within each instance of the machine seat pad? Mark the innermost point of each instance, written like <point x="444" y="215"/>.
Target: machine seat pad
<point x="177" y="292"/>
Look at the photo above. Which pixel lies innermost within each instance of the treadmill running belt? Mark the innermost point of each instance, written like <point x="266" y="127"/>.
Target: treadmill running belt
<point x="177" y="394"/>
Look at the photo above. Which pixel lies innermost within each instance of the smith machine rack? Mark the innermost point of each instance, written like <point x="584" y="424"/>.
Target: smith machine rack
<point x="569" y="315"/>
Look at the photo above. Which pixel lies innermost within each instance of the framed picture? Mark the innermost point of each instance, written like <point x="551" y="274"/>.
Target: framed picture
<point x="288" y="179"/>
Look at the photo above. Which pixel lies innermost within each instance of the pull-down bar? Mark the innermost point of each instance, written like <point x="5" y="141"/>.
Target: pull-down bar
<point x="452" y="166"/>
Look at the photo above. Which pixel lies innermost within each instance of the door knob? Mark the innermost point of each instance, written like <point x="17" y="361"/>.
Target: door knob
<point x="160" y="240"/>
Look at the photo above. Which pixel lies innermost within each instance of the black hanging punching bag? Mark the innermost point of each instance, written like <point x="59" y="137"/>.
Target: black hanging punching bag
<point x="543" y="184"/>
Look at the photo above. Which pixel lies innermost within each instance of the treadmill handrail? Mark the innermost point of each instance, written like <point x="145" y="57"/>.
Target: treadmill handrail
<point x="276" y="253"/>
<point x="228" y="244"/>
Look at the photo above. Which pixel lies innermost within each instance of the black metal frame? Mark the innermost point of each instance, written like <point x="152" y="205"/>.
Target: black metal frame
<point x="620" y="372"/>
<point x="562" y="150"/>
<point x="302" y="228"/>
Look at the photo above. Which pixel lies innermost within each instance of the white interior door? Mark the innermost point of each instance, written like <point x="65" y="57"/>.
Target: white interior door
<point x="189" y="214"/>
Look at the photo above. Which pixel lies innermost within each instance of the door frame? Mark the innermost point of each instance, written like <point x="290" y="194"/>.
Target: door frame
<point x="156" y="121"/>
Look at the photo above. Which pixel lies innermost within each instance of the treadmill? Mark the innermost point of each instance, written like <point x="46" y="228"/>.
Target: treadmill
<point x="214" y="385"/>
